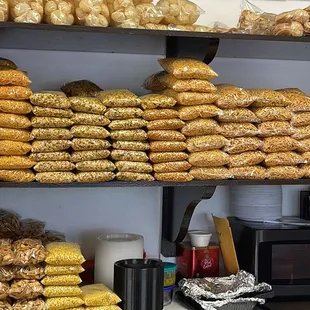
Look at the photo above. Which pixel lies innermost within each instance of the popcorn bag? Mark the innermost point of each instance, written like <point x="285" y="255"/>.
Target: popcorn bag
<point x="26" y="11"/>
<point x="59" y="12"/>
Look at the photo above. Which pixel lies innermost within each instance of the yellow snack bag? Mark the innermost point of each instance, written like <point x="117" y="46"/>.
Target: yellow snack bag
<point x="69" y="279"/>
<point x="62" y="291"/>
<point x="51" y="270"/>
<point x="99" y="295"/>
<point x="59" y="303"/>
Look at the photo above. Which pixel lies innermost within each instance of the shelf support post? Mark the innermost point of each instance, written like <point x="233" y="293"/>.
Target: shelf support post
<point x="178" y="206"/>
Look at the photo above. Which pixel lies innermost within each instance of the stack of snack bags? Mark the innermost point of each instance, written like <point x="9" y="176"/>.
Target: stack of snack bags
<point x="237" y="125"/>
<point x="14" y="135"/>
<point x="276" y="133"/>
<point x="129" y="138"/>
<point x="299" y="107"/>
<point x="52" y="137"/>
<point x="98" y="296"/>
<point x="63" y="265"/>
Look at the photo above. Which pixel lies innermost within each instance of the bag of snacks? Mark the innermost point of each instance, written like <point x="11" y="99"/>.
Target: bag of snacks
<point x="302" y="132"/>
<point x="275" y="128"/>
<point x="130" y="166"/>
<point x="285" y="172"/>
<point x="87" y="105"/>
<point x="165" y="124"/>
<point x="167" y="146"/>
<point x="134" y="176"/>
<point x="118" y="98"/>
<point x="123" y="113"/>
<point x="59" y="12"/>
<point x="7" y="63"/>
<point x="25" y="175"/>
<point x="235" y="130"/>
<point x="81" y="88"/>
<point x="99" y="295"/>
<point x="53" y="236"/>
<point x="237" y="115"/>
<point x="52" y="112"/>
<point x="165" y="135"/>
<point x="94" y="177"/>
<point x="4" y="290"/>
<point x="136" y="156"/>
<point x="14" y="134"/>
<point x="32" y="229"/>
<point x="51" y="134"/>
<point x="28" y="252"/>
<point x="284" y="159"/>
<point x="213" y="158"/>
<point x="250" y="158"/>
<point x="42" y="146"/>
<point x="92" y="13"/>
<point x="231" y="97"/>
<point x="160" y="114"/>
<point x="6" y="273"/>
<point x="14" y="147"/>
<point x="15" y="107"/>
<point x="6" y="253"/>
<point x="79" y="156"/>
<point x="26" y="11"/>
<point x="163" y="157"/>
<point x="249" y="173"/>
<point x="279" y="144"/>
<point x="62" y="291"/>
<point x="200" y="127"/>
<point x="96" y="165"/>
<point x="131" y="145"/>
<point x="187" y="68"/>
<point x="51" y="270"/>
<point x="269" y="114"/>
<point x="300" y="119"/>
<point x="4" y="10"/>
<point x="13" y="77"/>
<point x="212" y="173"/>
<point x="91" y="132"/>
<point x="82" y="144"/>
<point x="205" y="143"/>
<point x="90" y="119"/>
<point x="14" y="121"/>
<point x="5" y="305"/>
<point x="9" y="227"/>
<point x="174" y="166"/>
<point x="294" y="29"/>
<point x="193" y="112"/>
<point x="15" y="92"/>
<point x="60" y="303"/>
<point x="55" y="177"/>
<point x="64" y="253"/>
<point x="25" y="289"/>
<point x="303" y="145"/>
<point x="298" y="102"/>
<point x="268" y="98"/>
<point x="51" y="99"/>
<point x="53" y="166"/>
<point x="243" y="144"/>
<point x="32" y="272"/>
<point x="153" y="83"/>
<point x="129" y="135"/>
<point x="149" y="13"/>
<point x="173" y="177"/>
<point x="50" y="156"/>
<point x="50" y="122"/>
<point x="16" y="162"/>
<point x="131" y="123"/>
<point x="68" y="279"/>
<point x="154" y="101"/>
<point x="299" y="15"/>
<point x="35" y="304"/>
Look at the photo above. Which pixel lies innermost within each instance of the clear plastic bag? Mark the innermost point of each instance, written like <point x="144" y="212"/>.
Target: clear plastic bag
<point x="66" y="280"/>
<point x="167" y="146"/>
<point x="14" y="147"/>
<point x="15" y="107"/>
<point x="242" y="144"/>
<point x="231" y="97"/>
<point x="6" y="252"/>
<point x="92" y="13"/>
<point x="174" y="166"/>
<point x="213" y="173"/>
<point x="134" y="176"/>
<point x="293" y="29"/>
<point x="153" y="101"/>
<point x="50" y="122"/>
<point x="21" y="176"/>
<point x="302" y="132"/>
<point x="50" y="156"/>
<point x="249" y="173"/>
<point x="53" y="236"/>
<point x="178" y="85"/>
<point x="131" y="145"/>
<point x="60" y="303"/>
<point x="126" y="155"/>
<point x="14" y="121"/>
<point x="90" y="119"/>
<point x="94" y="177"/>
<point x="99" y="295"/>
<point x="118" y="98"/>
<point x="26" y="11"/>
<point x="6" y="274"/>
<point x="35" y="304"/>
<point x="131" y="166"/>
<point x="153" y="83"/>
<point x="301" y="119"/>
<point x="237" y="115"/>
<point x="51" y="270"/>
<point x="304" y="145"/>
<point x="83" y="144"/>
<point x="81" y="88"/>
<point x="7" y="63"/>
<point x="160" y="114"/>
<point x="31" y="229"/>
<point x="54" y="166"/>
<point x="173" y="177"/>
<point x="32" y="272"/>
<point x="284" y="159"/>
<point x="78" y="156"/>
<point x="179" y="12"/>
<point x="214" y="158"/>
<point x="166" y="135"/>
<point x="235" y="130"/>
<point x="9" y="227"/>
<point x="193" y="112"/>
<point x="123" y="113"/>
<point x="55" y="177"/>
<point x="91" y="132"/>
<point x="15" y="93"/>
<point x="25" y="289"/>
<point x="131" y="123"/>
<point x="96" y="165"/>
<point x="250" y="158"/>
<point x="64" y="253"/>
<point x="149" y="13"/>
<point x="4" y="290"/>
<point x="163" y="157"/>
<point x="275" y="128"/>
<point x="52" y="112"/>
<point x="201" y="127"/>
<point x="192" y="98"/>
<point x="269" y="114"/>
<point x="299" y="15"/>
<point x="62" y="291"/>
<point x="205" y="143"/>
<point x="41" y="146"/>
<point x="298" y="102"/>
<point x="14" y="134"/>
<point x="16" y="162"/>
<point x="13" y="77"/>
<point x="268" y="98"/>
<point x="156" y="26"/>
<point x="279" y="144"/>
<point x="305" y="170"/>
<point x="59" y="12"/>
<point x="285" y="172"/>
<point x="51" y="134"/>
<point x="28" y="252"/>
<point x="87" y="105"/>
<point x="51" y="99"/>
<point x="129" y="135"/>
<point x="165" y="124"/>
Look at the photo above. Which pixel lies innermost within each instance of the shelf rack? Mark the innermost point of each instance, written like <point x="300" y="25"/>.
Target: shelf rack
<point x="179" y="199"/>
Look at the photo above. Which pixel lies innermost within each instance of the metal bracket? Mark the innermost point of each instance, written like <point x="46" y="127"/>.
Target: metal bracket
<point x="179" y="205"/>
<point x="204" y="49"/>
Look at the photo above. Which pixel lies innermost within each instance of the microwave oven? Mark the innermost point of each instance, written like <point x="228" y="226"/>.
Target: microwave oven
<point x="276" y="254"/>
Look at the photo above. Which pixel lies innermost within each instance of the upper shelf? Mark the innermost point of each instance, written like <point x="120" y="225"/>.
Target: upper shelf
<point x="157" y="184"/>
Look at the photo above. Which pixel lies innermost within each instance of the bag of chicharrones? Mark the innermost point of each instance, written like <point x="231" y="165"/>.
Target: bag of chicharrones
<point x="149" y="13"/>
<point x="4" y="10"/>
<point x="9" y="225"/>
<point x="93" y="13"/>
<point x="35" y="304"/>
<point x="123" y="14"/>
<point x="59" y="12"/>
<point x="26" y="11"/>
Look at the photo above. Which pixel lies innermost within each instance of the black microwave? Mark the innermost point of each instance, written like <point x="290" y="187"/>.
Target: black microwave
<point x="275" y="253"/>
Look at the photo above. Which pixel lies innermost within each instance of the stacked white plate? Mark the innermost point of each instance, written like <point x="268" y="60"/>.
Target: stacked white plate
<point x="256" y="203"/>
